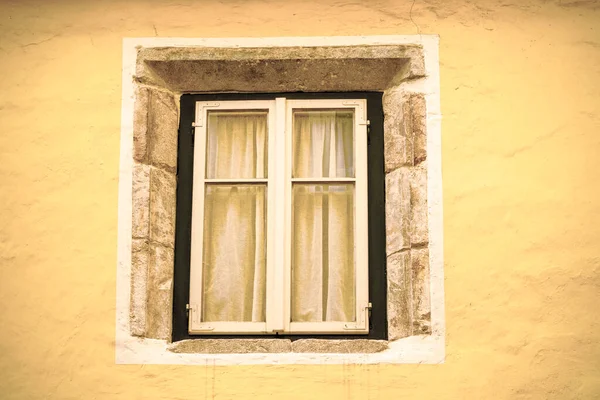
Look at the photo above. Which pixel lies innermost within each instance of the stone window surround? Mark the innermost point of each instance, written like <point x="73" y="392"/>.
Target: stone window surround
<point x="408" y="73"/>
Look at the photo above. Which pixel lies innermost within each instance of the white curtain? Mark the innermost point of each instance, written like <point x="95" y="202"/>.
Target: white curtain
<point x="323" y="277"/>
<point x="234" y="259"/>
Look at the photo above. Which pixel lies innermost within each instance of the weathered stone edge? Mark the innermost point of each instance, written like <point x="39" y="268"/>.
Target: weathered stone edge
<point x="244" y="346"/>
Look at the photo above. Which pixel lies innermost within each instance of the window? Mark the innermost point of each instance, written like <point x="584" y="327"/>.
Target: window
<point x="280" y="224"/>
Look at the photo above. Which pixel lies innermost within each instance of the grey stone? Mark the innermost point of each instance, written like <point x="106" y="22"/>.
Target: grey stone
<point x="158" y="54"/>
<point x="162" y="129"/>
<point x="162" y="207"/>
<point x="338" y="346"/>
<point x="138" y="290"/>
<point x="419" y="229"/>
<point x="140" y="201"/>
<point x="416" y="68"/>
<point x="421" y="291"/>
<point x="399" y="295"/>
<point x="140" y="124"/>
<point x="310" y="69"/>
<point x="418" y="124"/>
<point x="398" y="137"/>
<point x="397" y="210"/>
<point x="218" y="346"/>
<point x="160" y="292"/>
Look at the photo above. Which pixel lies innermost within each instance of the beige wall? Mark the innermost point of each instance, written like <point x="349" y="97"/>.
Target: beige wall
<point x="521" y="164"/>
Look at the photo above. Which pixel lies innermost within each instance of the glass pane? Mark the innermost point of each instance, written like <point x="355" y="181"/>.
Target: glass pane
<point x="322" y="143"/>
<point x="234" y="253"/>
<point x="323" y="278"/>
<point x="236" y="145"/>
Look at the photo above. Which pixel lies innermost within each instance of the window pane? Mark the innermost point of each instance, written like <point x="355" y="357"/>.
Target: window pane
<point x="323" y="278"/>
<point x="236" y="144"/>
<point x="234" y="253"/>
<point x="323" y="142"/>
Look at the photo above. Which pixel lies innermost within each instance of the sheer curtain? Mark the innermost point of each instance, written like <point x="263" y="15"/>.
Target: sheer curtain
<point x="234" y="248"/>
<point x="323" y="277"/>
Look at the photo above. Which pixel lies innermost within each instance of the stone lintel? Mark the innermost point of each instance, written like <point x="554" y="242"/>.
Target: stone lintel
<point x="279" y="69"/>
<point x="198" y="53"/>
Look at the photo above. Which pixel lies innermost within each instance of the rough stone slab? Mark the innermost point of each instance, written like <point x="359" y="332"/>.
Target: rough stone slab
<point x="160" y="292"/>
<point x="417" y="62"/>
<point x="140" y="124"/>
<point x="398" y="137"/>
<point x="399" y="295"/>
<point x="221" y="346"/>
<point x="418" y="125"/>
<point x="275" y="69"/>
<point x="421" y="291"/>
<point x="338" y="346"/>
<point x="141" y="201"/>
<point x="162" y="128"/>
<point x="419" y="230"/>
<point x="397" y="210"/>
<point x="279" y="53"/>
<point x="139" y="279"/>
<point x="162" y="207"/>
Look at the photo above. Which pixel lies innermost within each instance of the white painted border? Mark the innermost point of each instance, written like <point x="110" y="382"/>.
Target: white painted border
<point x="415" y="349"/>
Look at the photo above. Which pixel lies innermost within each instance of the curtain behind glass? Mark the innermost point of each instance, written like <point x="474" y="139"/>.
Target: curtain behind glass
<point x="323" y="273"/>
<point x="234" y="248"/>
<point x="236" y="144"/>
<point x="322" y="144"/>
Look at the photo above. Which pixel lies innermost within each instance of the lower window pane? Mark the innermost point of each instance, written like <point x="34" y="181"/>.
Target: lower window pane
<point x="323" y="273"/>
<point x="234" y="256"/>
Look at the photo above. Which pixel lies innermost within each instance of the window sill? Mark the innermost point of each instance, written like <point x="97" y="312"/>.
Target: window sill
<point x="225" y="346"/>
<point x="420" y="349"/>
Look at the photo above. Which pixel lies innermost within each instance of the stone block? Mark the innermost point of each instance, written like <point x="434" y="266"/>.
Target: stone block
<point x="417" y="63"/>
<point x="338" y="346"/>
<point x="418" y="125"/>
<point x="419" y="229"/>
<point x="399" y="295"/>
<point x="398" y="138"/>
<point x="162" y="207"/>
<point x="421" y="292"/>
<point x="141" y="201"/>
<point x="140" y="125"/>
<point x="397" y="210"/>
<point x="162" y="129"/>
<point x="138" y="290"/>
<point x="160" y="292"/>
<point x="220" y="346"/>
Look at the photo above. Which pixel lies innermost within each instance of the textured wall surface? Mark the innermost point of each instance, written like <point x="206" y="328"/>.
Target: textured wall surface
<point x="521" y="104"/>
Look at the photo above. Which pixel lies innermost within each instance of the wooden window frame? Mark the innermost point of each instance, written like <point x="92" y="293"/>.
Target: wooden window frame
<point x="374" y="293"/>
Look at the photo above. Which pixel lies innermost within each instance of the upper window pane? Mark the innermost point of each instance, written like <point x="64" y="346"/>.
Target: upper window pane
<point x="236" y="144"/>
<point x="322" y="143"/>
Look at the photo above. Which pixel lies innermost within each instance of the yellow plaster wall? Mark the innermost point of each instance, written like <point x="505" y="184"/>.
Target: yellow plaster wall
<point x="521" y="163"/>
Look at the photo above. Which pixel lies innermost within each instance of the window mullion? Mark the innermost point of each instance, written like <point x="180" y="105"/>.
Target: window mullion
<point x="276" y="295"/>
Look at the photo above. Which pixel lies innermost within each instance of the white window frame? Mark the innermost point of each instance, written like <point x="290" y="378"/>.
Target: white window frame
<point x="279" y="219"/>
